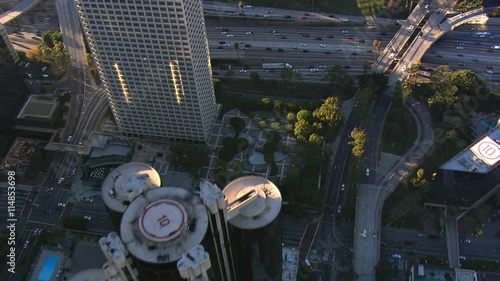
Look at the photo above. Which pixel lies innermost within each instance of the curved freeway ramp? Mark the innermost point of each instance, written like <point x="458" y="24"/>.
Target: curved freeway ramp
<point x="17" y="10"/>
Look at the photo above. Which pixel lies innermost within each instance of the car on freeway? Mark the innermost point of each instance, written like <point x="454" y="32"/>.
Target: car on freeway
<point x="328" y="53"/>
<point x="460" y="55"/>
<point x="318" y="38"/>
<point x="287" y="17"/>
<point x="345" y="31"/>
<point x="60" y="204"/>
<point x="329" y="36"/>
<point x="322" y="45"/>
<point x="343" y="187"/>
<point x="305" y="51"/>
<point x="489" y="71"/>
<point x="396" y="256"/>
<point x="367" y="172"/>
<point x="302" y="18"/>
<point x="87" y="218"/>
<point x="460" y="48"/>
<point x="26" y="244"/>
<point x="230" y="35"/>
<point x="467" y="241"/>
<point x="249" y="33"/>
<point x="439" y="56"/>
<point x="354" y="54"/>
<point x="462" y="258"/>
<point x="489" y="67"/>
<point x="322" y="66"/>
<point x="339" y="209"/>
<point x="348" y="37"/>
<point x="478" y="43"/>
<point x="362" y="41"/>
<point x="243" y="71"/>
<point x="339" y="49"/>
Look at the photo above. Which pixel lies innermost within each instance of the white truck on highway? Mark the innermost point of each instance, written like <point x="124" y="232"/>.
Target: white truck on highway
<point x="276" y="65"/>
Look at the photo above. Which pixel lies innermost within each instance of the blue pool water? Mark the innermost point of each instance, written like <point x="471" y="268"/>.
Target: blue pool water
<point x="48" y="267"/>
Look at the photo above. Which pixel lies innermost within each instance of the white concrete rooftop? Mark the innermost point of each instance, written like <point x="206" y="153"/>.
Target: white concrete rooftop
<point x="260" y="211"/>
<point x="163" y="223"/>
<point x="126" y="182"/>
<point x="480" y="157"/>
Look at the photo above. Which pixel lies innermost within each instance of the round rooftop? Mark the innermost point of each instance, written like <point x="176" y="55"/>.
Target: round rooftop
<point x="162" y="220"/>
<point x="163" y="223"/>
<point x="261" y="211"/>
<point x="126" y="182"/>
<point x="91" y="274"/>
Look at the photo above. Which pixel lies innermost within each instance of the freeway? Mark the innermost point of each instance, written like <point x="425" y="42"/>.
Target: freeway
<point x="17" y="11"/>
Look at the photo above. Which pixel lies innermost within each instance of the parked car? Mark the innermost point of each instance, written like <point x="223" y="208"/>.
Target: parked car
<point x="87" y="218"/>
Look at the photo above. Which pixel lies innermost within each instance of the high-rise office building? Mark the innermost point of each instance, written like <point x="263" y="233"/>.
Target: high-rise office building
<point x="153" y="60"/>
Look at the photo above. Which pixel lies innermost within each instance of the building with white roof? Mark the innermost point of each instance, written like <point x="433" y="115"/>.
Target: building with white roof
<point x="253" y="229"/>
<point x="159" y="226"/>
<point x="124" y="184"/>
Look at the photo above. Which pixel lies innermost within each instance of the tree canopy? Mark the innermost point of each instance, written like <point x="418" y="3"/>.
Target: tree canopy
<point x="329" y="112"/>
<point x="358" y="141"/>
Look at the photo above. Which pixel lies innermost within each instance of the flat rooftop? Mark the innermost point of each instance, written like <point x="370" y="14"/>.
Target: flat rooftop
<point x="126" y="182"/>
<point x="38" y="108"/>
<point x="163" y="223"/>
<point x="480" y="157"/>
<point x="262" y="210"/>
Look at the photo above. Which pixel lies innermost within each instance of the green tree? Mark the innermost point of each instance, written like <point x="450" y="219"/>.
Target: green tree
<point x="278" y="105"/>
<point x="255" y="78"/>
<point x="445" y="93"/>
<point x="359" y="138"/>
<point x="304" y="115"/>
<point x="241" y="5"/>
<point x="376" y="45"/>
<point x="291" y="117"/>
<point x="302" y="130"/>
<point x="316" y="139"/>
<point x="340" y="80"/>
<point x="236" y="46"/>
<point x="267" y="104"/>
<point x="412" y="72"/>
<point x="452" y="135"/>
<point x="466" y="81"/>
<point x="275" y="125"/>
<point x="290" y="77"/>
<point x="289" y="127"/>
<point x="329" y="112"/>
<point x="366" y="65"/>
<point x="262" y="124"/>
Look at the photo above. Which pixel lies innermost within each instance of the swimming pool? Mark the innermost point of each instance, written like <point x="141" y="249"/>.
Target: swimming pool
<point x="48" y="266"/>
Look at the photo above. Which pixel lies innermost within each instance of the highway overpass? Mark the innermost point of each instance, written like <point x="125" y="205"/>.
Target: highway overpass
<point x="17" y="11"/>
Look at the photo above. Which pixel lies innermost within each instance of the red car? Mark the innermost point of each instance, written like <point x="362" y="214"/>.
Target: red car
<point x="302" y="18"/>
<point x="348" y="37"/>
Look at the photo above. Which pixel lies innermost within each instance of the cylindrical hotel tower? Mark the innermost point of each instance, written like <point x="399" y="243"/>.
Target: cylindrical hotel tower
<point x="255" y="228"/>
<point x="159" y="226"/>
<point x="124" y="184"/>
